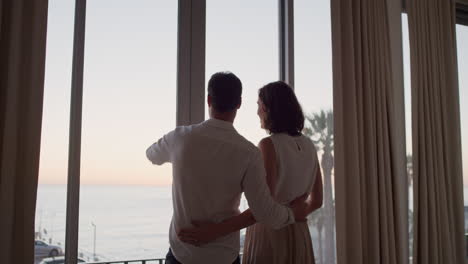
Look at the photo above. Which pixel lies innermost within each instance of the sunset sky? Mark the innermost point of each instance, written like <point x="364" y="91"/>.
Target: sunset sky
<point x="130" y="78"/>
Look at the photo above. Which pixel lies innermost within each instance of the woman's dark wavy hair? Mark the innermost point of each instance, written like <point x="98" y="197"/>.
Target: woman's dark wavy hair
<point x="283" y="111"/>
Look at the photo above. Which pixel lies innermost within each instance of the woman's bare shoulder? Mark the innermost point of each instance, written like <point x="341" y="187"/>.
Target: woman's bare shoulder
<point x="266" y="143"/>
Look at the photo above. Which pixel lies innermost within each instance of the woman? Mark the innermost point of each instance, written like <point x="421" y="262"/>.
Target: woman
<point x="292" y="171"/>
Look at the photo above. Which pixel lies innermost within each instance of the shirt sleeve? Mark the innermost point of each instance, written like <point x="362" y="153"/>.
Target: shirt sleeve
<point x="264" y="208"/>
<point x="160" y="152"/>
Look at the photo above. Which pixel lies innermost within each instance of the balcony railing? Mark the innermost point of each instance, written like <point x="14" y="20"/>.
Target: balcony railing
<point x="136" y="261"/>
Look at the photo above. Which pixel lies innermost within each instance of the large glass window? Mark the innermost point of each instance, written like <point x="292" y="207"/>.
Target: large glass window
<point x="52" y="191"/>
<point x="408" y="127"/>
<point x="129" y="101"/>
<point x="242" y="37"/>
<point x="314" y="88"/>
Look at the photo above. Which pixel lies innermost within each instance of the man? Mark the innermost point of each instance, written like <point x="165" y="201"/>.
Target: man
<point x="212" y="165"/>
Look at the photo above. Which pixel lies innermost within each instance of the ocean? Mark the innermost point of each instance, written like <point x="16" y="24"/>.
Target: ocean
<point x="131" y="222"/>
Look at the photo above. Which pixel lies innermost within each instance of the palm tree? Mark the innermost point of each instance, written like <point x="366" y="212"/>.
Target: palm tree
<point x="320" y="130"/>
<point x="410" y="177"/>
<point x="409" y="168"/>
<point x="411" y="231"/>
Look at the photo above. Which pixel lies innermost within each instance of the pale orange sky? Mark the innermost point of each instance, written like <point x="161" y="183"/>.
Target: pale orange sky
<point x="130" y="83"/>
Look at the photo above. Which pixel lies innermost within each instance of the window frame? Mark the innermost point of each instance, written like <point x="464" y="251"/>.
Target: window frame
<point x="190" y="98"/>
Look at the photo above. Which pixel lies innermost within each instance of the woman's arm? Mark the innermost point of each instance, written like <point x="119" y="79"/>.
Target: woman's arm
<point x="316" y="196"/>
<point x="204" y="232"/>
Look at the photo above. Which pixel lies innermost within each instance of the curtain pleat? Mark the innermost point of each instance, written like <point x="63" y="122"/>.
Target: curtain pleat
<point x="368" y="198"/>
<point x="438" y="188"/>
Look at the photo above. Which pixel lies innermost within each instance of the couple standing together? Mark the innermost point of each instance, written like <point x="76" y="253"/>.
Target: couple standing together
<point x="212" y="165"/>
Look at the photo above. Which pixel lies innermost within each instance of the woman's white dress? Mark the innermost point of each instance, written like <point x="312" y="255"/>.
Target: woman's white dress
<point x="297" y="162"/>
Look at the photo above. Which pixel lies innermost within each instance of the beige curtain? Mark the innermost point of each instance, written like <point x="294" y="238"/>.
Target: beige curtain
<point x="22" y="60"/>
<point x="437" y="165"/>
<point x="370" y="176"/>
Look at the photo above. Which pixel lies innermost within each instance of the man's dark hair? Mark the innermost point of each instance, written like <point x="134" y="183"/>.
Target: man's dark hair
<point x="283" y="111"/>
<point x="225" y="90"/>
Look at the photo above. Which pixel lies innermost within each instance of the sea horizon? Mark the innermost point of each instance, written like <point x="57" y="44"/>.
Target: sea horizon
<point x="132" y="221"/>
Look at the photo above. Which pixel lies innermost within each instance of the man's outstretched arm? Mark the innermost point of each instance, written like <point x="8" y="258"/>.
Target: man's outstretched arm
<point x="159" y="153"/>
